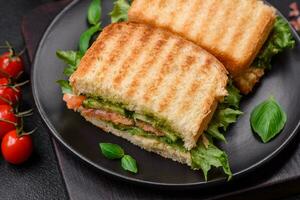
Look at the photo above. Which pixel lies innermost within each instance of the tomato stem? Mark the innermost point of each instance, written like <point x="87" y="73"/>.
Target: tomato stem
<point x="6" y="100"/>
<point x="29" y="133"/>
<point x="7" y="121"/>
<point x="20" y="127"/>
<point x="10" y="49"/>
<point x="21" y="52"/>
<point x="21" y="84"/>
<point x="25" y="113"/>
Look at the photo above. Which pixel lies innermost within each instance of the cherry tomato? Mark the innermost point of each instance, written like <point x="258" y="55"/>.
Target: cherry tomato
<point x="11" y="66"/>
<point x="8" y="119"/>
<point x="9" y="94"/>
<point x="16" y="149"/>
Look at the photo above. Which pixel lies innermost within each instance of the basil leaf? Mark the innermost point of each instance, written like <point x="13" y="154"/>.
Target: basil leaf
<point x="120" y="11"/>
<point x="128" y="163"/>
<point x="85" y="38"/>
<point x="268" y="119"/>
<point x="94" y="12"/>
<point x="111" y="151"/>
<point x="280" y="39"/>
<point x="65" y="86"/>
<point x="204" y="158"/>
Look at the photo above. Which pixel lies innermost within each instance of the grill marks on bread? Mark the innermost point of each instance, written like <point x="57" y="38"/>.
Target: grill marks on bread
<point x="160" y="72"/>
<point x="232" y="30"/>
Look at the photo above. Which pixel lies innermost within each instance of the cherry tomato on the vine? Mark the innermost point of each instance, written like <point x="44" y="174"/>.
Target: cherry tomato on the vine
<point x="9" y="94"/>
<point x="11" y="65"/>
<point x="16" y="149"/>
<point x="8" y="120"/>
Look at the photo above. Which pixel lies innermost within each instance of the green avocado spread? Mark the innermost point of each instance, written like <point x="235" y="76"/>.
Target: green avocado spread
<point x="161" y="124"/>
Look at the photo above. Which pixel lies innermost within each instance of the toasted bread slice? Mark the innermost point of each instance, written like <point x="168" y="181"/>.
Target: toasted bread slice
<point x="151" y="70"/>
<point x="232" y="30"/>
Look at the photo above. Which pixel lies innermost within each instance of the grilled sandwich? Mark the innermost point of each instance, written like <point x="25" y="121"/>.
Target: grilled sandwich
<point x="171" y="85"/>
<point x="232" y="30"/>
<point x="151" y="87"/>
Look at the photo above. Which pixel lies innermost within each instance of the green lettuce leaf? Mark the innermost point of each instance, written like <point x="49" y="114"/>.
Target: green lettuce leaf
<point x="226" y="113"/>
<point x="205" y="157"/>
<point x="280" y="39"/>
<point x="120" y="11"/>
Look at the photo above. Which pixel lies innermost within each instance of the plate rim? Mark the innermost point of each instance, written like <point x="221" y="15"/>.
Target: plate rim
<point x="57" y="136"/>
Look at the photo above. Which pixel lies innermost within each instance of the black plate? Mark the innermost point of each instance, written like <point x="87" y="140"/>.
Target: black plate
<point x="245" y="150"/>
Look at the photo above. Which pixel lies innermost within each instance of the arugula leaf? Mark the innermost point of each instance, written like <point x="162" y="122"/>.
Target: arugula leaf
<point x="268" y="119"/>
<point x="65" y="86"/>
<point x="205" y="157"/>
<point x="94" y="12"/>
<point x="281" y="38"/>
<point x="71" y="58"/>
<point x="120" y="11"/>
<point x="128" y="163"/>
<point x="111" y="151"/>
<point x="85" y="38"/>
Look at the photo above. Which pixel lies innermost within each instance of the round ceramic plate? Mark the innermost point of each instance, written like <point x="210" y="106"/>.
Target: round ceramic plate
<point x="246" y="152"/>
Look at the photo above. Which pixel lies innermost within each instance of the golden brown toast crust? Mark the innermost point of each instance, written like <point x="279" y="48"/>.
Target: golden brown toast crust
<point x="232" y="30"/>
<point x="151" y="69"/>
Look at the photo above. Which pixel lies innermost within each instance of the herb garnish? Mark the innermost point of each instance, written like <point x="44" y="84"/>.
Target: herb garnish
<point x="268" y="119"/>
<point x="114" y="151"/>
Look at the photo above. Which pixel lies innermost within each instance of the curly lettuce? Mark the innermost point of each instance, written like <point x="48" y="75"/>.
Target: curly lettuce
<point x="204" y="157"/>
<point x="226" y="114"/>
<point x="280" y="39"/>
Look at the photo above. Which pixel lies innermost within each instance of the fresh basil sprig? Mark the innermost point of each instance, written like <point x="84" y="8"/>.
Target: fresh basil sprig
<point x="268" y="119"/>
<point x="94" y="12"/>
<point x="85" y="38"/>
<point x="65" y="86"/>
<point x="128" y="163"/>
<point x="114" y="151"/>
<point x="111" y="151"/>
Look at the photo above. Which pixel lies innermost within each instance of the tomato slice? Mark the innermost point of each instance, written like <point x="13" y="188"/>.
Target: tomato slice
<point x="73" y="101"/>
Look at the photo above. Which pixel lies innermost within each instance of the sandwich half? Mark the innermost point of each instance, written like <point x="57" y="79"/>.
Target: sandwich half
<point x="155" y="89"/>
<point x="237" y="32"/>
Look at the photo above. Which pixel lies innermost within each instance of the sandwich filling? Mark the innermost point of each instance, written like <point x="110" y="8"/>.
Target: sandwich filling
<point x="117" y="116"/>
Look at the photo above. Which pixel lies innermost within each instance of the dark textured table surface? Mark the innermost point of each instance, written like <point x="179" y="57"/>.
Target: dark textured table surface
<point x="46" y="176"/>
